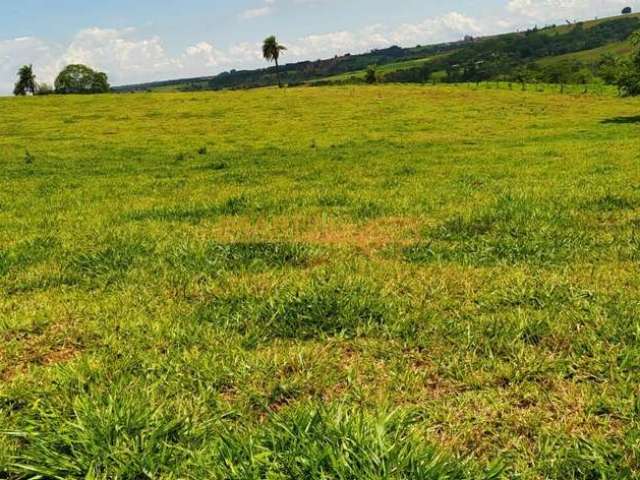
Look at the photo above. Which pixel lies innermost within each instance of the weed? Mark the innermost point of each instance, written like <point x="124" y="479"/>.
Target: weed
<point x="28" y="158"/>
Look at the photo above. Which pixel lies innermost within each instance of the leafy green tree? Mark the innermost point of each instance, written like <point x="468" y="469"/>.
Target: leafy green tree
<point x="26" y="81"/>
<point x="558" y="73"/>
<point x="584" y="77"/>
<point x="371" y="76"/>
<point x="521" y="75"/>
<point x="271" y="51"/>
<point x="629" y="80"/>
<point x="81" y="79"/>
<point x="608" y="68"/>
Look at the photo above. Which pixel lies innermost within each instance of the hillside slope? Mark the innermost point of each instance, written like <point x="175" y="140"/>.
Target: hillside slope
<point x="498" y="56"/>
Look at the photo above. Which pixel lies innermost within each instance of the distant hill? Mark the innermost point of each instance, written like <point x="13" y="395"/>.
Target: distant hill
<point x="572" y="53"/>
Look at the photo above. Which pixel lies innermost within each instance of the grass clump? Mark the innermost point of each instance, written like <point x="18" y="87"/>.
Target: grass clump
<point x="106" y="266"/>
<point x="102" y="436"/>
<point x="26" y="253"/>
<point x="5" y="262"/>
<point x="119" y="436"/>
<point x="579" y="459"/>
<point x="325" y="307"/>
<point x="610" y="203"/>
<point x="251" y="256"/>
<point x="176" y="213"/>
<point x="193" y="214"/>
<point x="338" y="442"/>
<point x="513" y="230"/>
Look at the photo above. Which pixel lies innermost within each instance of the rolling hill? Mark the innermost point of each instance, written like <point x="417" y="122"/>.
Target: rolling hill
<point x="582" y="44"/>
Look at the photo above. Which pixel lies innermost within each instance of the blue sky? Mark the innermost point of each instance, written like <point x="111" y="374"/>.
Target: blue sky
<point x="146" y="40"/>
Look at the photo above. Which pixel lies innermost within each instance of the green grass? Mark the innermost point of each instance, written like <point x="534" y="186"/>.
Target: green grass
<point x="388" y="282"/>
<point x="617" y="49"/>
<point x="385" y="69"/>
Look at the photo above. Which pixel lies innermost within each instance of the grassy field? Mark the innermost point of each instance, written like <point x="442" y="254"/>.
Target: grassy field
<point x="383" y="69"/>
<point x="393" y="282"/>
<point x="618" y="49"/>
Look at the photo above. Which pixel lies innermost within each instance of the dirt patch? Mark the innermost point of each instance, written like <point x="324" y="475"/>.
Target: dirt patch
<point x="50" y="347"/>
<point x="367" y="238"/>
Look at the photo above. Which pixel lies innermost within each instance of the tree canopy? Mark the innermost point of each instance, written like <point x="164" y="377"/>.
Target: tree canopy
<point x="26" y="81"/>
<point x="629" y="81"/>
<point x="81" y="79"/>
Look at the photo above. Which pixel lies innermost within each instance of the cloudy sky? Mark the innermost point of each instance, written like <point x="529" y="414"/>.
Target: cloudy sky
<point x="145" y="40"/>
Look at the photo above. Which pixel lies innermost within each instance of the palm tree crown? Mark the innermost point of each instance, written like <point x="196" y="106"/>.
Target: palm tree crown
<point x="271" y="50"/>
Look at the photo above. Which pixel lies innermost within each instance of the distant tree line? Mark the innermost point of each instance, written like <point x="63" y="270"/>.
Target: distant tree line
<point x="74" y="79"/>
<point x="300" y="72"/>
<point x="515" y="57"/>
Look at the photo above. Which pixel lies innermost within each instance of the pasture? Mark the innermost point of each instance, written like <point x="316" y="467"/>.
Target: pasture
<point x="389" y="282"/>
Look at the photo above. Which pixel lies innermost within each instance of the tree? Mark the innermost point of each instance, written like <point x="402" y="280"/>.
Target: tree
<point x="584" y="77"/>
<point x="271" y="50"/>
<point x="558" y="73"/>
<point x="626" y="10"/>
<point x="371" y="76"/>
<point x="629" y="80"/>
<point x="608" y="68"/>
<point x="81" y="79"/>
<point x="521" y="75"/>
<point x="26" y="81"/>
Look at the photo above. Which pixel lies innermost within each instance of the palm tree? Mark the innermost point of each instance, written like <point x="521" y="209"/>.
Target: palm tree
<point x="26" y="81"/>
<point x="271" y="52"/>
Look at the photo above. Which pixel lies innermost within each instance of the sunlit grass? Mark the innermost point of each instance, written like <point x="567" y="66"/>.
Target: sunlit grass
<point x="358" y="282"/>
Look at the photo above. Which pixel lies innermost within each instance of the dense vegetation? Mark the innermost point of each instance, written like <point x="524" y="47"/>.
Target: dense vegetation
<point x="514" y="56"/>
<point x="425" y="283"/>
<point x="79" y="79"/>
<point x="538" y="55"/>
<point x="26" y="83"/>
<point x="73" y="79"/>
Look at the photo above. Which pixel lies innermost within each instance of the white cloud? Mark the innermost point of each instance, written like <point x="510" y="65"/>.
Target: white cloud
<point x="547" y="10"/>
<point x="117" y="51"/>
<point x="266" y="9"/>
<point x="256" y="12"/>
<point x="451" y="26"/>
<point x="26" y="50"/>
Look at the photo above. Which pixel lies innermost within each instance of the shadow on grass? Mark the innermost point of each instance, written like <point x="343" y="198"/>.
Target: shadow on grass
<point x="622" y="120"/>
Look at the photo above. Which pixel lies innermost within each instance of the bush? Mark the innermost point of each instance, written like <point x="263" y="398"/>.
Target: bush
<point x="371" y="76"/>
<point x="45" y="89"/>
